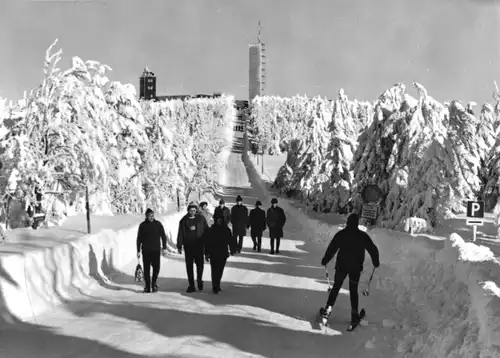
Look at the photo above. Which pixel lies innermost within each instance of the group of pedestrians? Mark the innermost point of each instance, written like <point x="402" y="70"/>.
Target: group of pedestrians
<point x="204" y="237"/>
<point x="215" y="243"/>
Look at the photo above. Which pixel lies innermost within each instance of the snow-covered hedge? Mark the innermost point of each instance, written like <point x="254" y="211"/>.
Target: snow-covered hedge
<point x="78" y="129"/>
<point x="427" y="157"/>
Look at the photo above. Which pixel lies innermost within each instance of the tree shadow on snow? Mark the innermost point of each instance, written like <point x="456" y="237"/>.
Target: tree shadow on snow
<point x="250" y="335"/>
<point x="107" y="269"/>
<point x="32" y="340"/>
<point x="294" y="302"/>
<point x="238" y="145"/>
<point x="20" y="339"/>
<point x="247" y="194"/>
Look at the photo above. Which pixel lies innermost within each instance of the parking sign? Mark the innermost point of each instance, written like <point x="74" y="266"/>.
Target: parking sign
<point x="475" y="209"/>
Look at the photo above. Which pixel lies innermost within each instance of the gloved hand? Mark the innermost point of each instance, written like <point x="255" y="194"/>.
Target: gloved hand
<point x="138" y="255"/>
<point x="376" y="265"/>
<point x="164" y="252"/>
<point x="207" y="258"/>
<point x="179" y="250"/>
<point x="323" y="262"/>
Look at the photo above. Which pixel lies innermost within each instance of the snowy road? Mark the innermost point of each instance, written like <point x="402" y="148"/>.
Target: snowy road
<point x="264" y="310"/>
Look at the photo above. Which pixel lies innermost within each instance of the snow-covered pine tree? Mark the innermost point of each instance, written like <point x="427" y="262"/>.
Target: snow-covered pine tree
<point x="307" y="177"/>
<point x="490" y="174"/>
<point x="262" y="128"/>
<point x="372" y="162"/>
<point x="207" y="121"/>
<point x="295" y="112"/>
<point x="336" y="167"/>
<point x="447" y="175"/>
<point x="56" y="139"/>
<point x="486" y="132"/>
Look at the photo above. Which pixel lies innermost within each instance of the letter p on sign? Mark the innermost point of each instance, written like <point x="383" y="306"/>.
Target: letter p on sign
<point x="475" y="209"/>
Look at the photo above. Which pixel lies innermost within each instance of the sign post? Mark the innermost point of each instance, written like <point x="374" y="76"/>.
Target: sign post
<point x="475" y="215"/>
<point x="372" y="196"/>
<point x="369" y="212"/>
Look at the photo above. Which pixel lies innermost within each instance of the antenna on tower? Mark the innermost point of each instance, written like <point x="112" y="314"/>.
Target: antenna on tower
<point x="259" y="31"/>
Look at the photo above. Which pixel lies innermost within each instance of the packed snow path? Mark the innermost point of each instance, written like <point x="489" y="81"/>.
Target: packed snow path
<point x="264" y="310"/>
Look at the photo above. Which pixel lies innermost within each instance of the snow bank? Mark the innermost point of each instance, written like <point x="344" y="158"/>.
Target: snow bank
<point x="38" y="280"/>
<point x="447" y="297"/>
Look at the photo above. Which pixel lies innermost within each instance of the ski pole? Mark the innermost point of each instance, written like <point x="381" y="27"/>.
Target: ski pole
<point x="328" y="279"/>
<point x="367" y="291"/>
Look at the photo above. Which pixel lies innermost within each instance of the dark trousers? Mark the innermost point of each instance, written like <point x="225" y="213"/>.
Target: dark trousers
<point x="151" y="258"/>
<point x="277" y="239"/>
<point x="238" y="239"/>
<point x="194" y="255"/>
<point x="217" y="264"/>
<point x="353" y="288"/>
<point x="257" y="239"/>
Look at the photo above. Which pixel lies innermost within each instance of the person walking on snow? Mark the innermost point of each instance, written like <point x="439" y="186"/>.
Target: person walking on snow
<point x="351" y="244"/>
<point x="204" y="211"/>
<point x="257" y="223"/>
<point x="224" y="211"/>
<point x="151" y="239"/>
<point x="192" y="231"/>
<point x="219" y="241"/>
<point x="276" y="220"/>
<point x="239" y="220"/>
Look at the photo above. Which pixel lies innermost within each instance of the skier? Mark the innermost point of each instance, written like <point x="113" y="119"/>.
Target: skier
<point x="191" y="235"/>
<point x="219" y="240"/>
<point x="276" y="219"/>
<point x="257" y="223"/>
<point x="351" y="244"/>
<point x="204" y="211"/>
<point x="239" y="219"/>
<point x="224" y="211"/>
<point x="151" y="239"/>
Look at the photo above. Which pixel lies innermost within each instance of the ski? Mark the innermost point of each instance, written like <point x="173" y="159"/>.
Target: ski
<point x="353" y="325"/>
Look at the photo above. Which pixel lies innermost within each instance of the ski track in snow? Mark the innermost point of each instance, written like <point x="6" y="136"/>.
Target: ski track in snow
<point x="265" y="309"/>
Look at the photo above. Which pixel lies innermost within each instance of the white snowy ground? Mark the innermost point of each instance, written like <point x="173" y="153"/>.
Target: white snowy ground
<point x="265" y="309"/>
<point x="444" y="289"/>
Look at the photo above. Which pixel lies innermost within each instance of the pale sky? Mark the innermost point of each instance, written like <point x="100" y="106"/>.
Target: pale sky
<point x="313" y="46"/>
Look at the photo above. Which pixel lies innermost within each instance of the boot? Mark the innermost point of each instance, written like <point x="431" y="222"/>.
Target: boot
<point x="146" y="290"/>
<point x="155" y="287"/>
<point x="191" y="289"/>
<point x="200" y="285"/>
<point x="354" y="318"/>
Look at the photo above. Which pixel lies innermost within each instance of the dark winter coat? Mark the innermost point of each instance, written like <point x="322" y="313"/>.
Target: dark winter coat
<point x="351" y="244"/>
<point x="276" y="219"/>
<point x="151" y="236"/>
<point x="257" y="221"/>
<point x="219" y="242"/>
<point x="224" y="213"/>
<point x="239" y="219"/>
<point x="192" y="231"/>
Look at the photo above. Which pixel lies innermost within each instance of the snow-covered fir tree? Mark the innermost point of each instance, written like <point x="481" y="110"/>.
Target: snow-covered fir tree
<point x="447" y="175"/>
<point x="306" y="176"/>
